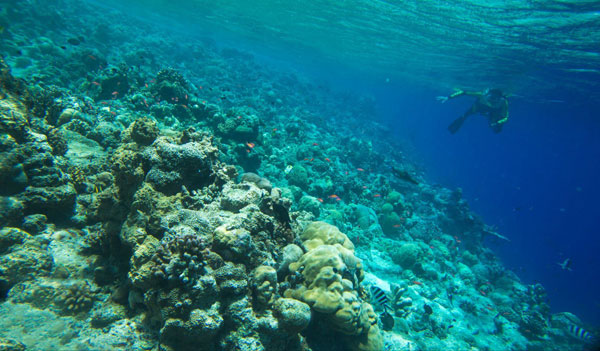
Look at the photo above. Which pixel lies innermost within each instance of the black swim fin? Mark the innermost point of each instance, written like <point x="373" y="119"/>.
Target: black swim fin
<point x="455" y="126"/>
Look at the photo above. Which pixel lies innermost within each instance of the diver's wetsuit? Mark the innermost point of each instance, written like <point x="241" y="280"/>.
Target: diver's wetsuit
<point x="496" y="110"/>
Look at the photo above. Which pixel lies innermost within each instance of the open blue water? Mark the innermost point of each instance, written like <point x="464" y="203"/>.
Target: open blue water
<point x="536" y="181"/>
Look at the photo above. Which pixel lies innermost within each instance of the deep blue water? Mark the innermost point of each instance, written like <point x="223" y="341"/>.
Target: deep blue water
<point x="537" y="181"/>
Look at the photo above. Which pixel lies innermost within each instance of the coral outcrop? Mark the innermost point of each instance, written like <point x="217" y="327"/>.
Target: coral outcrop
<point x="330" y="278"/>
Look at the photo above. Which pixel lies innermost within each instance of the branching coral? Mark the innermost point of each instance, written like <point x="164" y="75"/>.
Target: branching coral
<point x="180" y="260"/>
<point x="76" y="299"/>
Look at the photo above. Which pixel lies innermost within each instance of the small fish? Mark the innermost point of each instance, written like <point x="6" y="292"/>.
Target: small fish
<point x="315" y="144"/>
<point x="397" y="225"/>
<point x="565" y="265"/>
<point x="73" y="41"/>
<point x="115" y="93"/>
<point x="580" y="333"/>
<point x="63" y="47"/>
<point x="377" y="195"/>
<point x="327" y="159"/>
<point x="387" y="320"/>
<point x="92" y="57"/>
<point x="417" y="282"/>
<point x="288" y="169"/>
<point x="250" y="145"/>
<point x="320" y="200"/>
<point x="379" y="296"/>
<point x="404" y="175"/>
<point x="95" y="83"/>
<point x="360" y="169"/>
<point x="333" y="196"/>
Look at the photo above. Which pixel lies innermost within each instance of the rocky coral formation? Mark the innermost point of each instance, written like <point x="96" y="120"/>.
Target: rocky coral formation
<point x="331" y="276"/>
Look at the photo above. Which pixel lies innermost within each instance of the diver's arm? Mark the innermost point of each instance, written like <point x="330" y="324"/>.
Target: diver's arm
<point x="457" y="93"/>
<point x="471" y="93"/>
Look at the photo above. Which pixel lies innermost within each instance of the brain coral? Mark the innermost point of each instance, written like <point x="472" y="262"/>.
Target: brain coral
<point x="320" y="233"/>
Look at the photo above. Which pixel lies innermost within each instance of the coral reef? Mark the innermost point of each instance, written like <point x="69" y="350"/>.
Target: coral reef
<point x="123" y="224"/>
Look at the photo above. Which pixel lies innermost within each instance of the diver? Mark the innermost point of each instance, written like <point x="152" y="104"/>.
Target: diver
<point x="491" y="103"/>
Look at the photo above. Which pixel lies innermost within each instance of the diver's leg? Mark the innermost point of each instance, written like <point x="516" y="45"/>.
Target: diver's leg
<point x="496" y="127"/>
<point x="455" y="126"/>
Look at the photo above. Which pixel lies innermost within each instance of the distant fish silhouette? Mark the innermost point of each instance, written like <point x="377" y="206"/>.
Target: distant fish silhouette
<point x="566" y="264"/>
<point x="73" y="41"/>
<point x="404" y="175"/>
<point x="387" y="320"/>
